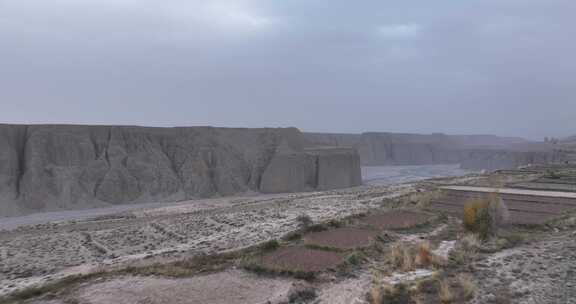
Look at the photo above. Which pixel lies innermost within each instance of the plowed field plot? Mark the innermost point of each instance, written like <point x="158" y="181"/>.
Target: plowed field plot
<point x="525" y="206"/>
<point x="397" y="219"/>
<point x="341" y="238"/>
<point x="301" y="258"/>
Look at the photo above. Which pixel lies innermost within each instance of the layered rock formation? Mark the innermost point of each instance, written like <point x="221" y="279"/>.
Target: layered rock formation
<point x="59" y="167"/>
<point x="474" y="152"/>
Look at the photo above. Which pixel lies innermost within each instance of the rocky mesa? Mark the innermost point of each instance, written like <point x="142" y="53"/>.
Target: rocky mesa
<point x="63" y="167"/>
<point x="475" y="152"/>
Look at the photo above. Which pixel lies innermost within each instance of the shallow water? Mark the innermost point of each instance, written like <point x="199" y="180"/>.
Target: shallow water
<point x="385" y="175"/>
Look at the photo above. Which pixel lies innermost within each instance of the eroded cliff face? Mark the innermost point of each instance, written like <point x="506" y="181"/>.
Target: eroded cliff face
<point x="60" y="167"/>
<point x="475" y="152"/>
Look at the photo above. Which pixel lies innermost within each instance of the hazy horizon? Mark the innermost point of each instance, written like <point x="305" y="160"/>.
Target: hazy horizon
<point x="502" y="67"/>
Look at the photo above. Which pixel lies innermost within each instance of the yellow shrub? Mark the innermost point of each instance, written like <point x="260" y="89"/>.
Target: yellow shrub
<point x="424" y="257"/>
<point x="477" y="218"/>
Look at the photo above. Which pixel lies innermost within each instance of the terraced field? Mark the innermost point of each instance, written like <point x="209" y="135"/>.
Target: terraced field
<point x="46" y="252"/>
<point x="525" y="206"/>
<point x="347" y="235"/>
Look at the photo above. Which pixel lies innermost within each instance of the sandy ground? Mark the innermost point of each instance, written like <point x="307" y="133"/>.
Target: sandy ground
<point x="227" y="287"/>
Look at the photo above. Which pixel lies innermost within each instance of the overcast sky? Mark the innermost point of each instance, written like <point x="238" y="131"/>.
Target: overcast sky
<point x="456" y="66"/>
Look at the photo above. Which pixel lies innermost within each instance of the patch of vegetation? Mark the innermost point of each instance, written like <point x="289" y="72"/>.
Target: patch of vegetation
<point x="323" y="247"/>
<point x="484" y="216"/>
<point x="469" y="287"/>
<point x="445" y="294"/>
<point x="401" y="256"/>
<point x="355" y="258"/>
<point x="336" y="223"/>
<point x="477" y="218"/>
<point x="427" y="286"/>
<point x="304" y="221"/>
<point x="253" y="264"/>
<point x="390" y="294"/>
<point x="405" y="257"/>
<point x="465" y="251"/>
<point x="502" y="241"/>
<point x="270" y="245"/>
<point x="292" y="236"/>
<point x="316" y="228"/>
<point x="302" y="294"/>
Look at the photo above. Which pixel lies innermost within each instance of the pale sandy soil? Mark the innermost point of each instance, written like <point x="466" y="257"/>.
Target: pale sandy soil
<point x="226" y="287"/>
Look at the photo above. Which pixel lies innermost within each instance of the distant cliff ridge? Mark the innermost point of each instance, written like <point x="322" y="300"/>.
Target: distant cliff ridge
<point x="60" y="167"/>
<point x="475" y="152"/>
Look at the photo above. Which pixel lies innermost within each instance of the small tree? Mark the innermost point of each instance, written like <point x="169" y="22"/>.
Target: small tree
<point x="484" y="216"/>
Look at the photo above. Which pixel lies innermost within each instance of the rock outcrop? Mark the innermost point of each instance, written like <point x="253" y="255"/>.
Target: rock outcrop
<point x="60" y="167"/>
<point x="476" y="152"/>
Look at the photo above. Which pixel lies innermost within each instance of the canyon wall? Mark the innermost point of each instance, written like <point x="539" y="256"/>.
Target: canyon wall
<point x="62" y="167"/>
<point x="475" y="152"/>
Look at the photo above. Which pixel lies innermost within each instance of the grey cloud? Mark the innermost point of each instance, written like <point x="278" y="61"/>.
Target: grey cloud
<point x="492" y="66"/>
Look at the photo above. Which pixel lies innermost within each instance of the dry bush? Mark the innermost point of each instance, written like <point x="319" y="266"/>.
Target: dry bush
<point x="424" y="257"/>
<point x="302" y="293"/>
<point x="445" y="293"/>
<point x="470" y="243"/>
<point x="484" y="216"/>
<point x="402" y="256"/>
<point x="269" y="245"/>
<point x="304" y="221"/>
<point x="477" y="217"/>
<point x="427" y="285"/>
<point x="498" y="211"/>
<point x="407" y="257"/>
<point x="468" y="285"/>
<point x="374" y="295"/>
<point x="465" y="250"/>
<point x="390" y="294"/>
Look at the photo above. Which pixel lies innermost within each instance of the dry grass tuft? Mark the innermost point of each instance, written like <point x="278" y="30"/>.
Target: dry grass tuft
<point x="469" y="287"/>
<point x="407" y="257"/>
<point x="402" y="256"/>
<point x="424" y="257"/>
<point x="466" y="250"/>
<point x="445" y="293"/>
<point x="390" y="294"/>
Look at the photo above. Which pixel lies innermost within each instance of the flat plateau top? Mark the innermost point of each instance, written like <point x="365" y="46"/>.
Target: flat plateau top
<point x="512" y="191"/>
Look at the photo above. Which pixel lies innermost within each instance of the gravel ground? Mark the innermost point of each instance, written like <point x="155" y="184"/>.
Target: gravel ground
<point x="540" y="272"/>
